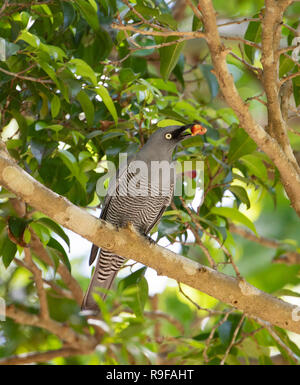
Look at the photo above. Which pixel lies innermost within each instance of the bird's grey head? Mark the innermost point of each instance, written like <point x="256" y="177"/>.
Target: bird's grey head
<point x="163" y="141"/>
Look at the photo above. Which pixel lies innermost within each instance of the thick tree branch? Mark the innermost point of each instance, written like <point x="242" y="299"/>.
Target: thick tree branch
<point x="64" y="332"/>
<point x="127" y="243"/>
<point x="28" y="358"/>
<point x="271" y="33"/>
<point x="289" y="173"/>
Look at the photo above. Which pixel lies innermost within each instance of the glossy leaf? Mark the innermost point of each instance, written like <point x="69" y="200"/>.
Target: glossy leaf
<point x="169" y="57"/>
<point x="234" y="215"/>
<point x="240" y="145"/>
<point x="253" y="33"/>
<point x="62" y="255"/>
<point x="54" y="227"/>
<point x="107" y="100"/>
<point x="87" y="106"/>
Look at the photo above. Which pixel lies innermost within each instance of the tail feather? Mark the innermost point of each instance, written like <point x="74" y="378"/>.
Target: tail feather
<point x="88" y="301"/>
<point x="93" y="254"/>
<point x="107" y="267"/>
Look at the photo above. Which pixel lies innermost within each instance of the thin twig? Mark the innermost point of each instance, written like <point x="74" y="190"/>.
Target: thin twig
<point x="211" y="312"/>
<point x="16" y="75"/>
<point x="196" y="11"/>
<point x="252" y="68"/>
<point x="287" y="49"/>
<point x="37" y="274"/>
<point x="289" y="77"/>
<point x="290" y="256"/>
<point x="237" y="329"/>
<point x="272" y="332"/>
<point x="211" y="335"/>
<point x="195" y="34"/>
<point x="245" y="20"/>
<point x="138" y="14"/>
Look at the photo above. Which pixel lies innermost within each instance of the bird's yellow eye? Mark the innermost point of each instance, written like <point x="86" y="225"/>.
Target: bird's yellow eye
<point x="168" y="136"/>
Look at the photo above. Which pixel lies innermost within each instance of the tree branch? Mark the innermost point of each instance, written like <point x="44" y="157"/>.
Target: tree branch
<point x="63" y="331"/>
<point x="39" y="249"/>
<point x="290" y="175"/>
<point x="271" y="34"/>
<point x="290" y="257"/>
<point x="129" y="244"/>
<point x="28" y="358"/>
<point x="37" y="274"/>
<point x="16" y="75"/>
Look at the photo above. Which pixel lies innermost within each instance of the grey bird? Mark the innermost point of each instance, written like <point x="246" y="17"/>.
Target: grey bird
<point x="136" y="197"/>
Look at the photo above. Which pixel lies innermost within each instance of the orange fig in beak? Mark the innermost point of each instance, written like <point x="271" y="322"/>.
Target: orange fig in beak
<point x="197" y="129"/>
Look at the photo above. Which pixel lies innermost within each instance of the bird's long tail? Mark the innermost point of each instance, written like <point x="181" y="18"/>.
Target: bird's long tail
<point x="106" y="269"/>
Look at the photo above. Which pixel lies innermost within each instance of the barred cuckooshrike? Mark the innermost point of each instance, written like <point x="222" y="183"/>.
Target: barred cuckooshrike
<point x="139" y="194"/>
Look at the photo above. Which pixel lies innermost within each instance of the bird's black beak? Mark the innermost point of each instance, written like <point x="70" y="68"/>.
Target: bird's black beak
<point x="183" y="132"/>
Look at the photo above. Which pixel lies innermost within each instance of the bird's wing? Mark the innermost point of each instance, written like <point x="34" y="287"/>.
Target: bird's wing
<point x="110" y="192"/>
<point x="156" y="219"/>
<point x="164" y="207"/>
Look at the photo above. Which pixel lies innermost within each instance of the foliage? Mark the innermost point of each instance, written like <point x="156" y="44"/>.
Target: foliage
<point x="74" y="93"/>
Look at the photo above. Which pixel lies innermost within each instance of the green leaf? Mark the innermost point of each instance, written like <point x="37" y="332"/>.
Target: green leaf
<point x="178" y="70"/>
<point x="241" y="194"/>
<point x="69" y="14"/>
<point x="287" y="341"/>
<point x="127" y="75"/>
<point x="286" y="293"/>
<point x="41" y="231"/>
<point x="255" y="165"/>
<point x="55" y="106"/>
<point x="169" y="122"/>
<point x="169" y="56"/>
<point x="286" y="65"/>
<point x="8" y="251"/>
<point x="29" y="38"/>
<point x="135" y="290"/>
<point x="89" y="13"/>
<point x="107" y="100"/>
<point x="61" y="252"/>
<point x="81" y="68"/>
<point x="162" y="85"/>
<point x="7" y="49"/>
<point x="168" y="20"/>
<point x="41" y="149"/>
<point x="225" y="332"/>
<point x="241" y="144"/>
<point x="234" y="215"/>
<point x="197" y="23"/>
<point x="296" y="90"/>
<point x="210" y="78"/>
<point x="70" y="161"/>
<point x="166" y="227"/>
<point x="265" y="360"/>
<point x="253" y="33"/>
<point x="54" y="227"/>
<point x="87" y="106"/>
<point x="146" y="11"/>
<point x="17" y="227"/>
<point x="34" y="41"/>
<point x="134" y="329"/>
